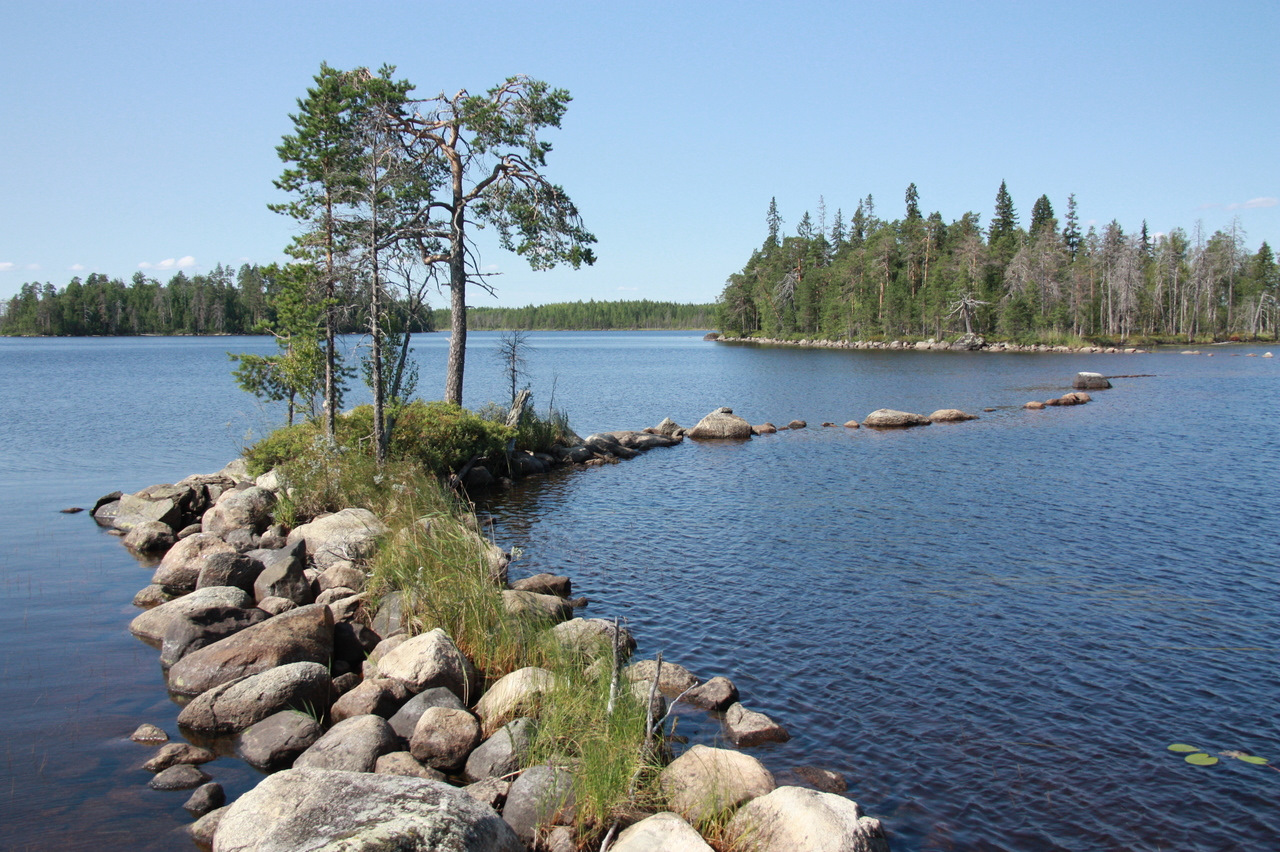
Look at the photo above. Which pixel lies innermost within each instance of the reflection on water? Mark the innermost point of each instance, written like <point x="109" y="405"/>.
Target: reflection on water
<point x="994" y="629"/>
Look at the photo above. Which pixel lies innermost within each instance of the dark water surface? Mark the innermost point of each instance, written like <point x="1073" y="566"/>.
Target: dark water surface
<point x="993" y="629"/>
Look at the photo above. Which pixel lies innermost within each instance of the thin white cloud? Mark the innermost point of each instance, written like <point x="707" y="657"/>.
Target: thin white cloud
<point x="5" y="266"/>
<point x="32" y="267"/>
<point x="77" y="267"/>
<point x="185" y="262"/>
<point x="1254" y="203"/>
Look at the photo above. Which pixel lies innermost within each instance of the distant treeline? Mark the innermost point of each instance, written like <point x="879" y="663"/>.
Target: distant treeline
<point x="586" y="316"/>
<point x="227" y="301"/>
<point x="918" y="276"/>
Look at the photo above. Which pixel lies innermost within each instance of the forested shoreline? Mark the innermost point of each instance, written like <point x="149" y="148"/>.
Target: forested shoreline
<point x="229" y="301"/>
<point x="917" y="277"/>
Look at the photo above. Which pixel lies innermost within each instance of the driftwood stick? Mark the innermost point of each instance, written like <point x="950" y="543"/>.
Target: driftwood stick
<point x="613" y="682"/>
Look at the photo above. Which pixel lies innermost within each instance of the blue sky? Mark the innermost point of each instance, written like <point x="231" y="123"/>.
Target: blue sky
<point x="142" y="135"/>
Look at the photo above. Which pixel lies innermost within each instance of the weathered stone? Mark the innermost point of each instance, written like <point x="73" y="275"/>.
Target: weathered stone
<point x="502" y="753"/>
<point x="950" y="415"/>
<point x="276" y="741"/>
<point x="705" y="782"/>
<point x="206" y="798"/>
<point x="353" y="642"/>
<point x="150" y="537"/>
<point x="534" y="605"/>
<point x="662" y="832"/>
<point x="641" y="441"/>
<point x="270" y="481"/>
<point x="443" y="738"/>
<point x="131" y="510"/>
<point x="353" y="745"/>
<point x="716" y="694"/>
<point x="545" y="584"/>
<point x="342" y="575"/>
<point x="347" y="681"/>
<point x="791" y="818"/>
<point x="228" y="569"/>
<point x="152" y="625"/>
<point x="542" y="795"/>
<point x="175" y="754"/>
<point x="249" y="508"/>
<point x="379" y="696"/>
<point x="149" y="734"/>
<point x="282" y="574"/>
<point x="764" y="429"/>
<point x="403" y="763"/>
<point x="294" y="811"/>
<point x="721" y="424"/>
<point x="606" y="445"/>
<point x="797" y="424"/>
<point x="405" y="720"/>
<point x="668" y="427"/>
<point x="389" y="620"/>
<point x="1090" y="381"/>
<point x="229" y="708"/>
<point x="1034" y="406"/>
<point x="184" y="776"/>
<point x="203" y="829"/>
<point x="673" y="680"/>
<point x="851" y="424"/>
<point x="593" y="636"/>
<point x="746" y="728"/>
<point x="516" y="694"/>
<point x="275" y="606"/>
<point x="644" y="693"/>
<point x="344" y="604"/>
<point x="300" y="635"/>
<point x="491" y="791"/>
<point x="888" y="418"/>
<point x="826" y="780"/>
<point x="192" y="631"/>
<point x="431" y="659"/>
<point x="558" y="838"/>
<point x="347" y="536"/>
<point x="151" y="596"/>
<point x="180" y="569"/>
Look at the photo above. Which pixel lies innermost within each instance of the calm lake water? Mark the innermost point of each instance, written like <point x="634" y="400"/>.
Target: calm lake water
<point x="993" y="629"/>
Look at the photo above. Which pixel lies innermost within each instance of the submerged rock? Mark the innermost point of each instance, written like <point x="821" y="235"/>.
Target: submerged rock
<point x="721" y="424"/>
<point x="888" y="418"/>
<point x="792" y="818"/>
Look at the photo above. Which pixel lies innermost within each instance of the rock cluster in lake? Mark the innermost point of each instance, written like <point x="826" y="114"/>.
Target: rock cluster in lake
<point x="268" y="636"/>
<point x="963" y="343"/>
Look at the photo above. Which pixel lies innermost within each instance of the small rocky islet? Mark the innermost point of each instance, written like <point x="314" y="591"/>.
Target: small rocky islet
<point x="268" y="635"/>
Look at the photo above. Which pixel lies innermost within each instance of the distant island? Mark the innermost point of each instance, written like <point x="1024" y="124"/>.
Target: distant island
<point x="916" y="277"/>
<point x="230" y="301"/>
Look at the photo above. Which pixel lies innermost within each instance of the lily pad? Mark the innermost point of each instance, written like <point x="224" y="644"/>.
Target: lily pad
<point x="1251" y="758"/>
<point x="1201" y="759"/>
<point x="1182" y="747"/>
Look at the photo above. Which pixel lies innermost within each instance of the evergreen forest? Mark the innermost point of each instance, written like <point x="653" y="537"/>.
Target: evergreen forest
<point x="916" y="276"/>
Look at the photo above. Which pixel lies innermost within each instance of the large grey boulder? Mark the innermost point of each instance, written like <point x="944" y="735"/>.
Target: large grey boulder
<point x="516" y="694"/>
<point x="130" y="510"/>
<point x="347" y="536"/>
<point x="545" y="584"/>
<point x="228" y="569"/>
<point x="643" y="440"/>
<point x="721" y="423"/>
<point x="606" y="445"/>
<point x="705" y="782"/>
<point x="951" y="415"/>
<point x="534" y="605"/>
<point x="179" y="571"/>
<point x="150" y="537"/>
<point x="444" y="737"/>
<point x="153" y="624"/>
<point x="248" y="508"/>
<point x="502" y="753"/>
<point x="667" y="427"/>
<point x="593" y="636"/>
<point x="191" y="631"/>
<point x="888" y="418"/>
<point x="405" y="720"/>
<point x="276" y="741"/>
<point x="662" y="832"/>
<point x="1090" y="381"/>
<point x="306" y="809"/>
<point x="282" y="574"/>
<point x="542" y="795"/>
<point x="300" y="635"/>
<point x="353" y="745"/>
<point x="379" y="696"/>
<point x="747" y="728"/>
<point x="232" y="707"/>
<point x="791" y="818"/>
<point x="429" y="660"/>
<point x="672" y="680"/>
<point x="716" y="694"/>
